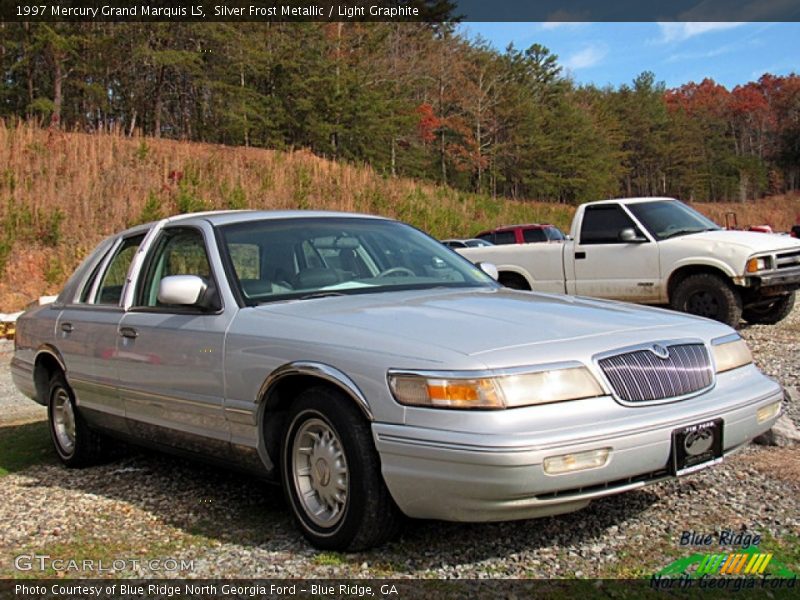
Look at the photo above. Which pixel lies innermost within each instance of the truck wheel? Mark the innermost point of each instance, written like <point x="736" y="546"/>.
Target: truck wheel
<point x="331" y="474"/>
<point x="708" y="295"/>
<point x="769" y="314"/>
<point x="75" y="443"/>
<point x="514" y="281"/>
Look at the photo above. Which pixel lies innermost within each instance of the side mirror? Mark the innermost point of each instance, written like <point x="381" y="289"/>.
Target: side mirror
<point x="629" y="236"/>
<point x="490" y="269"/>
<point x="181" y="290"/>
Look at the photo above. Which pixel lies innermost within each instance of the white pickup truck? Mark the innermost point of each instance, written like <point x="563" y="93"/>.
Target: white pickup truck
<point x="658" y="251"/>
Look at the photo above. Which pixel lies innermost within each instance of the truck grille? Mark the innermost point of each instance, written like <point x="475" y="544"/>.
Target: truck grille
<point x="642" y="376"/>
<point x="788" y="260"/>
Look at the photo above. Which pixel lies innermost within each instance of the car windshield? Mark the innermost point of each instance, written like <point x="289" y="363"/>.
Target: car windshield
<point x="665" y="219"/>
<point x="284" y="259"/>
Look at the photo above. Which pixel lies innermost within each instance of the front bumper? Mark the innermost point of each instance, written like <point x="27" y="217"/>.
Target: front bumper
<point x="787" y="277"/>
<point x="495" y="476"/>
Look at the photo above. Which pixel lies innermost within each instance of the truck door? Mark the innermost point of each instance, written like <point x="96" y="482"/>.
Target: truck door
<point x="609" y="262"/>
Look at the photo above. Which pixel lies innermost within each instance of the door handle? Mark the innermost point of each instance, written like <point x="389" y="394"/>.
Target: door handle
<point x="580" y="255"/>
<point x="67" y="327"/>
<point x="128" y="332"/>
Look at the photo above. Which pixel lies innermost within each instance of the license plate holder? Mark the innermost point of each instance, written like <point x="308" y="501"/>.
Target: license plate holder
<point x="697" y="447"/>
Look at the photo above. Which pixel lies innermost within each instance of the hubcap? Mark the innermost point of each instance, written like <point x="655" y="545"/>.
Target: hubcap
<point x="319" y="468"/>
<point x="64" y="420"/>
<point x="703" y="304"/>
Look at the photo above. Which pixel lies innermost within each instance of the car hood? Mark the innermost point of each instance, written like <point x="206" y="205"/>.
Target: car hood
<point x="478" y="322"/>
<point x="755" y="242"/>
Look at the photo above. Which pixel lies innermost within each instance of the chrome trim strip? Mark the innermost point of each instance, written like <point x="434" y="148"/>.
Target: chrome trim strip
<point x="487" y="373"/>
<point x="45" y="349"/>
<point x="78" y="381"/>
<point x="143" y="397"/>
<point x="321" y="371"/>
<point x="726" y="339"/>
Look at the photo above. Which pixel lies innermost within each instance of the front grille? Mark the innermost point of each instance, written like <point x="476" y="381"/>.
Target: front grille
<point x="788" y="260"/>
<point x="641" y="376"/>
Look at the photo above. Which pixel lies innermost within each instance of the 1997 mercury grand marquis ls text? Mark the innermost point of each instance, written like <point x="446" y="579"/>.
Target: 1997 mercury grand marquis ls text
<point x="374" y="372"/>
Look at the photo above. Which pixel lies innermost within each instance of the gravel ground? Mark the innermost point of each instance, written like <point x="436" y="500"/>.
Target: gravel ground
<point x="149" y="506"/>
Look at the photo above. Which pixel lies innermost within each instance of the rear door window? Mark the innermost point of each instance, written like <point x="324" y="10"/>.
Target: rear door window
<point x="534" y="235"/>
<point x="505" y="237"/>
<point x="113" y="280"/>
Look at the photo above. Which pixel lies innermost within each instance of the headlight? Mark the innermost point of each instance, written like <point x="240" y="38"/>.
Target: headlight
<point x="492" y="392"/>
<point x="730" y="352"/>
<point x="756" y="264"/>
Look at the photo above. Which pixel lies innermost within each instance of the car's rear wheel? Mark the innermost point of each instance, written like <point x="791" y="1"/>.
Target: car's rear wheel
<point x="771" y="313"/>
<point x="708" y="295"/>
<point x="331" y="474"/>
<point x="75" y="443"/>
<point x="513" y="281"/>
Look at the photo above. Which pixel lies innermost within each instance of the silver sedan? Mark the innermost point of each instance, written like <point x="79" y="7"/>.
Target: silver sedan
<point x="375" y="373"/>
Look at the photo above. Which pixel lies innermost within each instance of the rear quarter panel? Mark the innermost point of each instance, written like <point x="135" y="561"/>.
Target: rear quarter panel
<point x="540" y="264"/>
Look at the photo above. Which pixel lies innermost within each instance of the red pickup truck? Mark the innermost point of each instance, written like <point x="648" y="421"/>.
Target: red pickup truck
<point x="522" y="234"/>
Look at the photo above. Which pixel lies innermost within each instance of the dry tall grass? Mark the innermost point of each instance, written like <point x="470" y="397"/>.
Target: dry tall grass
<point x="60" y="193"/>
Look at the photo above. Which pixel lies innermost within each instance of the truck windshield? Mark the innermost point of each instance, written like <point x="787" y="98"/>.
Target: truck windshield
<point x="666" y="219"/>
<point x="286" y="259"/>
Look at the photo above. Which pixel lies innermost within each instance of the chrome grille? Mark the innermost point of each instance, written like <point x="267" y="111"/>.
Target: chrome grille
<point x="641" y="376"/>
<point x="788" y="260"/>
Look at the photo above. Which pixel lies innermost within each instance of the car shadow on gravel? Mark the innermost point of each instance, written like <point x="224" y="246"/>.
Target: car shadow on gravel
<point x="23" y="445"/>
<point x="201" y="500"/>
<point x="234" y="508"/>
<point x="456" y="543"/>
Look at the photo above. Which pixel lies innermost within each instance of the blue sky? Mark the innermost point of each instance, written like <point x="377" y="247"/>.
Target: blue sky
<point x="615" y="53"/>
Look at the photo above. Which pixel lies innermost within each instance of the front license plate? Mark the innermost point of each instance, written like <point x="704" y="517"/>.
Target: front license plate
<point x="696" y="447"/>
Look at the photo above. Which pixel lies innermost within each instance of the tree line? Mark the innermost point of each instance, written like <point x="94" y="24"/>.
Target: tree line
<point x="410" y="99"/>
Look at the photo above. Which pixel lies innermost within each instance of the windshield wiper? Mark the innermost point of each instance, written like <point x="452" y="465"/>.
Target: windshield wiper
<point x="678" y="232"/>
<point x="320" y="295"/>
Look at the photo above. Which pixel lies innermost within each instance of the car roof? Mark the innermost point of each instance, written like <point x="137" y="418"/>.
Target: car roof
<point x="630" y="200"/>
<point x="227" y="217"/>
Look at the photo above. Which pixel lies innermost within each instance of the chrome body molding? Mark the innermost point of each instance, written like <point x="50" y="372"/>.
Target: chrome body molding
<point x="320" y="371"/>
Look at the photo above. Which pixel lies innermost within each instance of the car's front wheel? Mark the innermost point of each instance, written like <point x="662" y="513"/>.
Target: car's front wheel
<point x="770" y="313"/>
<point x="331" y="474"/>
<point x="708" y="295"/>
<point x="75" y="443"/>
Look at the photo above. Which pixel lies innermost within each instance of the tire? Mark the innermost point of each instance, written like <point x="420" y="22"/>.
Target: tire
<point x="75" y="443"/>
<point x="708" y="295"/>
<point x="514" y="281"/>
<point x="769" y="314"/>
<point x="331" y="474"/>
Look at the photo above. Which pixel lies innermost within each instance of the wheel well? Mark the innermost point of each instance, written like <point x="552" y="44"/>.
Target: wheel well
<point x="681" y="274"/>
<point x="509" y="278"/>
<point x="276" y="406"/>
<point x="44" y="369"/>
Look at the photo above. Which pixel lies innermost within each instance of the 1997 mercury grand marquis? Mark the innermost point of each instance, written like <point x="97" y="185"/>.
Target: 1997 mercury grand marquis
<point x="374" y="372"/>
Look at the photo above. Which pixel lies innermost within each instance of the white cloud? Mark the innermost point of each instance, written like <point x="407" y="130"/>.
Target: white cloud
<point x="588" y="57"/>
<point x="701" y="55"/>
<point x="678" y="32"/>
<point x="564" y="20"/>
